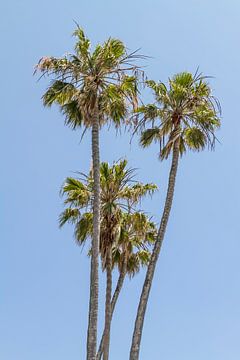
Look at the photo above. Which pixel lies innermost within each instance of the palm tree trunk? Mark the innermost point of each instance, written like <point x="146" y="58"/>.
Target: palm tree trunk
<point x="137" y="334"/>
<point x="113" y="304"/>
<point x="93" y="301"/>
<point x="108" y="310"/>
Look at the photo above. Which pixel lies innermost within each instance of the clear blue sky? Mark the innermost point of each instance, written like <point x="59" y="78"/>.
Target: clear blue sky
<point x="194" y="310"/>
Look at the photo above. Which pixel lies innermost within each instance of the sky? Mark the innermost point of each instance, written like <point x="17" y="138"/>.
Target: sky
<point x="193" y="311"/>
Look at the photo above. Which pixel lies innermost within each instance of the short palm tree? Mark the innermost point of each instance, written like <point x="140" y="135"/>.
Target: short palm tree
<point x="120" y="229"/>
<point x="130" y="252"/>
<point x="184" y="116"/>
<point x="91" y="89"/>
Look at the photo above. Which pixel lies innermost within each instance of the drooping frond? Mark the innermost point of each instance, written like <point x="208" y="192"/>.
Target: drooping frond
<point x="114" y="104"/>
<point x="195" y="138"/>
<point x="73" y="115"/>
<point x="150" y="135"/>
<point x="84" y="228"/>
<point x="137" y="260"/>
<point x="150" y="112"/>
<point x="70" y="215"/>
<point x="77" y="194"/>
<point x="59" y="92"/>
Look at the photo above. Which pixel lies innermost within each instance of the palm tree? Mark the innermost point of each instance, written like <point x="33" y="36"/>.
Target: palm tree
<point x="119" y="197"/>
<point x="185" y="116"/>
<point x="91" y="89"/>
<point x="135" y="232"/>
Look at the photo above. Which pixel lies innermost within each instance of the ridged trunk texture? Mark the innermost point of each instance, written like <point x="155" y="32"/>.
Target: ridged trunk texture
<point x="137" y="334"/>
<point x="108" y="309"/>
<point x="113" y="304"/>
<point x="93" y="301"/>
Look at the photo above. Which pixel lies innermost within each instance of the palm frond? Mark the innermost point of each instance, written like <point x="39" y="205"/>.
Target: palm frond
<point x="195" y="138"/>
<point x="73" y="115"/>
<point x="150" y="135"/>
<point x="83" y="43"/>
<point x="69" y="215"/>
<point x="84" y="228"/>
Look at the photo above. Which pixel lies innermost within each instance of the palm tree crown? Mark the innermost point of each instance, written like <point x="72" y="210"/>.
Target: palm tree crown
<point x="105" y="77"/>
<point x="122" y="227"/>
<point x="184" y="110"/>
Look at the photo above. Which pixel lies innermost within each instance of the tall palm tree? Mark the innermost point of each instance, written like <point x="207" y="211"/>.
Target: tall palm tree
<point x="91" y="89"/>
<point x="184" y="116"/>
<point x="118" y="198"/>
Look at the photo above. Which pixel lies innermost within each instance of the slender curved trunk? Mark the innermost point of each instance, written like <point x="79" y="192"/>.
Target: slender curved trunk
<point x="93" y="301"/>
<point x="137" y="334"/>
<point x="108" y="310"/>
<point x="113" y="304"/>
